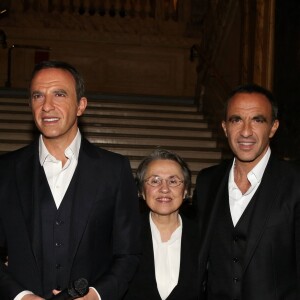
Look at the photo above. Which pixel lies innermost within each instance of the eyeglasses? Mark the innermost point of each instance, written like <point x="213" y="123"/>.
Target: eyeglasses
<point x="156" y="181"/>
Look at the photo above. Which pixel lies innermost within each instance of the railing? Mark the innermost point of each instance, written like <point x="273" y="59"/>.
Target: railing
<point x="156" y="9"/>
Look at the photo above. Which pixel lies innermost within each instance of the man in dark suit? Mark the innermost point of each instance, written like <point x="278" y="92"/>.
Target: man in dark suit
<point x="249" y="209"/>
<point x="68" y="209"/>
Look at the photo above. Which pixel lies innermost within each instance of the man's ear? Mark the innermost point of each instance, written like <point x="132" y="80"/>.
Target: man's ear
<point x="81" y="106"/>
<point x="274" y="128"/>
<point x="224" y="127"/>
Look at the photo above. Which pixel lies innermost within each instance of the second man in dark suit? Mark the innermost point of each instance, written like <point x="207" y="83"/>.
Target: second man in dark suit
<point x="249" y="209"/>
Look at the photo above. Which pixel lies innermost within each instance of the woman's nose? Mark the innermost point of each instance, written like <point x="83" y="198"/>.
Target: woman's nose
<point x="164" y="186"/>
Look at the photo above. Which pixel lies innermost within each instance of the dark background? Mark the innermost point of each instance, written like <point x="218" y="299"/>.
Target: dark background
<point x="287" y="78"/>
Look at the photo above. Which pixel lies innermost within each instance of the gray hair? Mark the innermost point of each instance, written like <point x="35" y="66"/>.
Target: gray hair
<point x="162" y="154"/>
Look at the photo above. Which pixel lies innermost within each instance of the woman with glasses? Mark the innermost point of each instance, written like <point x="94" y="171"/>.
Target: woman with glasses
<point x="168" y="266"/>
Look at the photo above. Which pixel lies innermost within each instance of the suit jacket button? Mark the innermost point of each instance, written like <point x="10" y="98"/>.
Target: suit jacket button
<point x="204" y="285"/>
<point x="235" y="238"/>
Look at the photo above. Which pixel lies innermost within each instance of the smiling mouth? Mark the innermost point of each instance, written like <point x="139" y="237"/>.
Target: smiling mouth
<point x="50" y="120"/>
<point x="246" y="143"/>
<point x="164" y="200"/>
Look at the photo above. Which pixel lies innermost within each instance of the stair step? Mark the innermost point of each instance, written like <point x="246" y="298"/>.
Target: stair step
<point x="112" y="104"/>
<point x="85" y="119"/>
<point x="186" y="154"/>
<point x="131" y="129"/>
<point x="127" y="150"/>
<point x="137" y="106"/>
<point x="123" y="139"/>
<point x="11" y="146"/>
<point x="154" y="132"/>
<point x="143" y="113"/>
<point x="143" y="122"/>
<point x="95" y="111"/>
<point x="194" y="166"/>
<point x="10" y="116"/>
<point x="100" y="129"/>
<point x="152" y="142"/>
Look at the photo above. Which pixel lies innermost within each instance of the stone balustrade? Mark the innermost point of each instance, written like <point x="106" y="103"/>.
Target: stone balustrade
<point x="155" y="9"/>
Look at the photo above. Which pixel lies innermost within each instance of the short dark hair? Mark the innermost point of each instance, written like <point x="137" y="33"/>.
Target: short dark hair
<point x="251" y="88"/>
<point x="162" y="154"/>
<point x="49" y="64"/>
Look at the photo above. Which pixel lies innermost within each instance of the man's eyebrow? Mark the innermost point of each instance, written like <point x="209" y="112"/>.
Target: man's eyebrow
<point x="36" y="93"/>
<point x="59" y="91"/>
<point x="234" y="117"/>
<point x="260" y="117"/>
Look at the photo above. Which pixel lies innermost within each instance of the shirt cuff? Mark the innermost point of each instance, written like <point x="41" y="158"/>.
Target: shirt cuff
<point x="22" y="294"/>
<point x="96" y="292"/>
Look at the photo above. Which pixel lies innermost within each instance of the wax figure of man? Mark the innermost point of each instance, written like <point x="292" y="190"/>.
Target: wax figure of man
<point x="249" y="209"/>
<point x="68" y="208"/>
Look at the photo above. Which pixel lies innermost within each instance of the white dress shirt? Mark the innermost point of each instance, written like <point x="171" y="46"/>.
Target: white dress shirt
<point x="58" y="176"/>
<point x="238" y="201"/>
<point x="166" y="259"/>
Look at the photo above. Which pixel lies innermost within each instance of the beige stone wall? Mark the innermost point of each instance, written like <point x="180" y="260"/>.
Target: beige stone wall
<point x="115" y="55"/>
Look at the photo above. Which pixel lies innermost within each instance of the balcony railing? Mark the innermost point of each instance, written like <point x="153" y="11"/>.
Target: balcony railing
<point x="155" y="9"/>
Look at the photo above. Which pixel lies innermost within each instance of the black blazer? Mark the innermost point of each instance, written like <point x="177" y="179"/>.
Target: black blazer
<point x="272" y="257"/>
<point x="104" y="229"/>
<point x="143" y="286"/>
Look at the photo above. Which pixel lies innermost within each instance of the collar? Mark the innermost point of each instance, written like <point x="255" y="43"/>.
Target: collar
<point x="71" y="151"/>
<point x="254" y="176"/>
<point x="156" y="234"/>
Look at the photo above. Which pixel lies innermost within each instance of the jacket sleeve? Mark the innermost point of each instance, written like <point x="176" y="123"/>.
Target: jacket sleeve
<point x="126" y="239"/>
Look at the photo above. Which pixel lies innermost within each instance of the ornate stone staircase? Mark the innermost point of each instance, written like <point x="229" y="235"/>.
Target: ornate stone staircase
<point x="129" y="128"/>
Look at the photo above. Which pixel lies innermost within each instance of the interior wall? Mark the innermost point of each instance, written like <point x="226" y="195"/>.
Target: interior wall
<point x="228" y="61"/>
<point x="127" y="55"/>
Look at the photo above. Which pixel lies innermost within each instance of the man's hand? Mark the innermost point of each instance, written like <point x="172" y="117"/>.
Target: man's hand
<point x="32" y="297"/>
<point x="91" y="295"/>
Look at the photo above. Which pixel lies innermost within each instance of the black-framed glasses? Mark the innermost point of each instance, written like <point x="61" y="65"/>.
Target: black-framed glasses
<point x="157" y="181"/>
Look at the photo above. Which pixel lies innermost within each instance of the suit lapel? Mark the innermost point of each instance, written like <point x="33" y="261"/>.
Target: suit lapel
<point x="28" y="180"/>
<point x="264" y="198"/>
<point x="148" y="252"/>
<point x="215" y="197"/>
<point x="86" y="187"/>
<point x="189" y="246"/>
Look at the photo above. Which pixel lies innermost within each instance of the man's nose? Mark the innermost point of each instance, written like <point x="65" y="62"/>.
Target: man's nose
<point x="48" y="104"/>
<point x="246" y="129"/>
